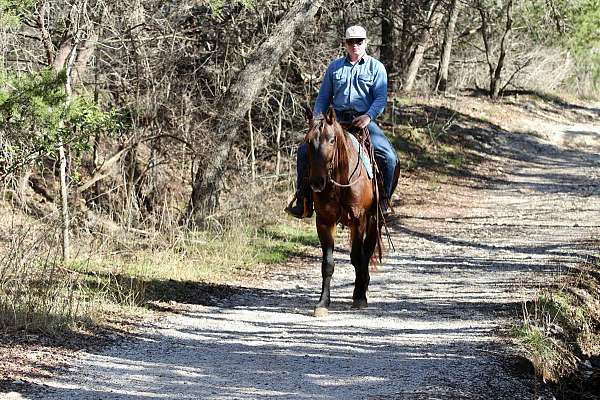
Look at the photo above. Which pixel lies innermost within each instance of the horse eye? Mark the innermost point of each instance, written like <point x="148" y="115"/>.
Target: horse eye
<point x="332" y="140"/>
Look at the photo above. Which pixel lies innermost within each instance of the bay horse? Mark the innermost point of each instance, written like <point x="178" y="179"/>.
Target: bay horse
<point x="342" y="193"/>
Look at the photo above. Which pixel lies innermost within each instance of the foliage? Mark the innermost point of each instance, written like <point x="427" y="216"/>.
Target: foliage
<point x="572" y="25"/>
<point x="36" y="114"/>
<point x="277" y="244"/>
<point x="584" y="40"/>
<point x="560" y="326"/>
<point x="216" y="6"/>
<point x="11" y="11"/>
<point x="35" y="293"/>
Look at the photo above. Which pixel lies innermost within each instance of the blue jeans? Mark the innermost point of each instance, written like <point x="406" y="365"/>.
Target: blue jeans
<point x="384" y="155"/>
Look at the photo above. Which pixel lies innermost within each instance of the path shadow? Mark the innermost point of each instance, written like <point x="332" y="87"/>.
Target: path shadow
<point x="552" y="103"/>
<point x="297" y="359"/>
<point x="553" y="249"/>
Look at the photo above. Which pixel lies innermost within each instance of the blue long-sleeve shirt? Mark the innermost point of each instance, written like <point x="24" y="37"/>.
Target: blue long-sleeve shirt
<point x="361" y="87"/>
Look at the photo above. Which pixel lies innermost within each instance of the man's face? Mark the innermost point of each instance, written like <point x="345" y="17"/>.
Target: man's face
<point x="356" y="47"/>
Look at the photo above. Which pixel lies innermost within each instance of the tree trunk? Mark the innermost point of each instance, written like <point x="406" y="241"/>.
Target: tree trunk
<point x="495" y="79"/>
<point x="87" y="47"/>
<point x="441" y="80"/>
<point x="485" y="36"/>
<point x="252" y="154"/>
<point x="434" y="18"/>
<point x="131" y="178"/>
<point x="64" y="189"/>
<point x="495" y="71"/>
<point x="405" y="42"/>
<point x="236" y="103"/>
<point x="387" y="36"/>
<point x="279" y="124"/>
<point x="64" y="203"/>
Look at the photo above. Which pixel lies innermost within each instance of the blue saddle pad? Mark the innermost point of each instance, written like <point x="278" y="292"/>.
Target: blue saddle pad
<point x="362" y="154"/>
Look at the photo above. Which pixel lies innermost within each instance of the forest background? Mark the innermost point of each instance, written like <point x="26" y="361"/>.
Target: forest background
<point x="147" y="141"/>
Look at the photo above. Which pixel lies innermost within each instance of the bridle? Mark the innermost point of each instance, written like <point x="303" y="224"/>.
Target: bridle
<point x="332" y="165"/>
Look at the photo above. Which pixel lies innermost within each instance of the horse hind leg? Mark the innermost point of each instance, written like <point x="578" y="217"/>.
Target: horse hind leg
<point x="367" y="250"/>
<point x="361" y="268"/>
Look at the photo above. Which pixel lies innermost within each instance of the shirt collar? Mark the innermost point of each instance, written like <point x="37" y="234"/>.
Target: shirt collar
<point x="361" y="61"/>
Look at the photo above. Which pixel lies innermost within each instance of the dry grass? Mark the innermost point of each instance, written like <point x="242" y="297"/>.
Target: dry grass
<point x="36" y="293"/>
<point x="560" y="327"/>
<point x="117" y="274"/>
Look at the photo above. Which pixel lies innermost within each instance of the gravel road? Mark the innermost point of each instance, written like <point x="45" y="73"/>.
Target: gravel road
<point x="438" y="308"/>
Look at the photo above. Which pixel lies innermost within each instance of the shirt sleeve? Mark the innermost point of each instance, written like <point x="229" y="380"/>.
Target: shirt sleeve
<point x="325" y="92"/>
<point x="379" y="93"/>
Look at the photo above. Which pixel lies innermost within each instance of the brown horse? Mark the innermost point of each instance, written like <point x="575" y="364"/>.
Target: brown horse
<point x="342" y="193"/>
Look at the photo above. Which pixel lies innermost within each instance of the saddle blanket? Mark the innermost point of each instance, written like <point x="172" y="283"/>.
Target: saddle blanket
<point x="362" y="154"/>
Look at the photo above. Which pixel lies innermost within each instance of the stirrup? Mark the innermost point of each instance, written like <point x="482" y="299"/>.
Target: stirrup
<point x="291" y="209"/>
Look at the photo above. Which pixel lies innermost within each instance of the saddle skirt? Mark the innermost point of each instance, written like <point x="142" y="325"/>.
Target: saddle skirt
<point x="362" y="153"/>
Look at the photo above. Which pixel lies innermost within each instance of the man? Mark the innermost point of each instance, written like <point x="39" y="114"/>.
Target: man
<point x="356" y="87"/>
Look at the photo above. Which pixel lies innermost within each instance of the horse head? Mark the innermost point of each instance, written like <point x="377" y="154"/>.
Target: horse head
<point x="323" y="137"/>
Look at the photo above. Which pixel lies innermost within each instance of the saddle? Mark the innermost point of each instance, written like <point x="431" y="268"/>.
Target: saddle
<point x="361" y="140"/>
<point x="362" y="154"/>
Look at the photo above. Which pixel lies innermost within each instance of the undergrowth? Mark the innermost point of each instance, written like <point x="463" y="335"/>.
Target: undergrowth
<point x="127" y="273"/>
<point x="560" y="329"/>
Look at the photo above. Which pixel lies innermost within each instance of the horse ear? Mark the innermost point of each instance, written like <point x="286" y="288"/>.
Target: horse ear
<point x="308" y="113"/>
<point x="330" y="116"/>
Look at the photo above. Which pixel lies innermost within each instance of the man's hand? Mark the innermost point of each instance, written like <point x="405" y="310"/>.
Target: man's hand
<point x="361" y="121"/>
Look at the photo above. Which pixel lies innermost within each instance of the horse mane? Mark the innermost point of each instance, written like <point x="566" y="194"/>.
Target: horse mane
<point x="312" y="133"/>
<point x="342" y="161"/>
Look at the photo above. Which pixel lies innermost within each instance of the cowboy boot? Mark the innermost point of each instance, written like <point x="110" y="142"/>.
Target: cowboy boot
<point x="303" y="206"/>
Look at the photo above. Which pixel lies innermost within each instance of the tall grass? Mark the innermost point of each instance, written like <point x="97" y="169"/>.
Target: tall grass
<point x="117" y="274"/>
<point x="36" y="292"/>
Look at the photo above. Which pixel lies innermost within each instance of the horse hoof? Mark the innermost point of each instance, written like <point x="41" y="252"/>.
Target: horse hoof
<point x="359" y="304"/>
<point x="321" y="312"/>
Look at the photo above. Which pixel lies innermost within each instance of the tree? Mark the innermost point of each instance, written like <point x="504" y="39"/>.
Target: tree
<point x="441" y="79"/>
<point x="253" y="78"/>
<point x="434" y="16"/>
<point x="388" y="35"/>
<point x="495" y="68"/>
<point x="42" y="118"/>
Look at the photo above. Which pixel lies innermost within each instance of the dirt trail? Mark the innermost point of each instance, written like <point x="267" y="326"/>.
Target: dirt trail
<point x="465" y="259"/>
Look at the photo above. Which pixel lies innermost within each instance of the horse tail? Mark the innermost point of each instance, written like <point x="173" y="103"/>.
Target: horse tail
<point x="377" y="256"/>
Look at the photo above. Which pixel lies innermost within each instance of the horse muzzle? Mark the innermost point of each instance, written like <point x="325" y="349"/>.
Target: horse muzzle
<point x="318" y="183"/>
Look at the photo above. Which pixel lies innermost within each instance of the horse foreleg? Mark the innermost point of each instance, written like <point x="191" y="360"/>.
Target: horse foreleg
<point x="361" y="267"/>
<point x="326" y="233"/>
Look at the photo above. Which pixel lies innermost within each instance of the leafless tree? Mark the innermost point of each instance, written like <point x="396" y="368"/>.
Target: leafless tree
<point x="441" y="80"/>
<point x="495" y="68"/>
<point x="237" y="102"/>
<point x="434" y="17"/>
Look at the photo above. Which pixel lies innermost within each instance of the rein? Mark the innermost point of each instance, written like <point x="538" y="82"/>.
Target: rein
<point x="351" y="183"/>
